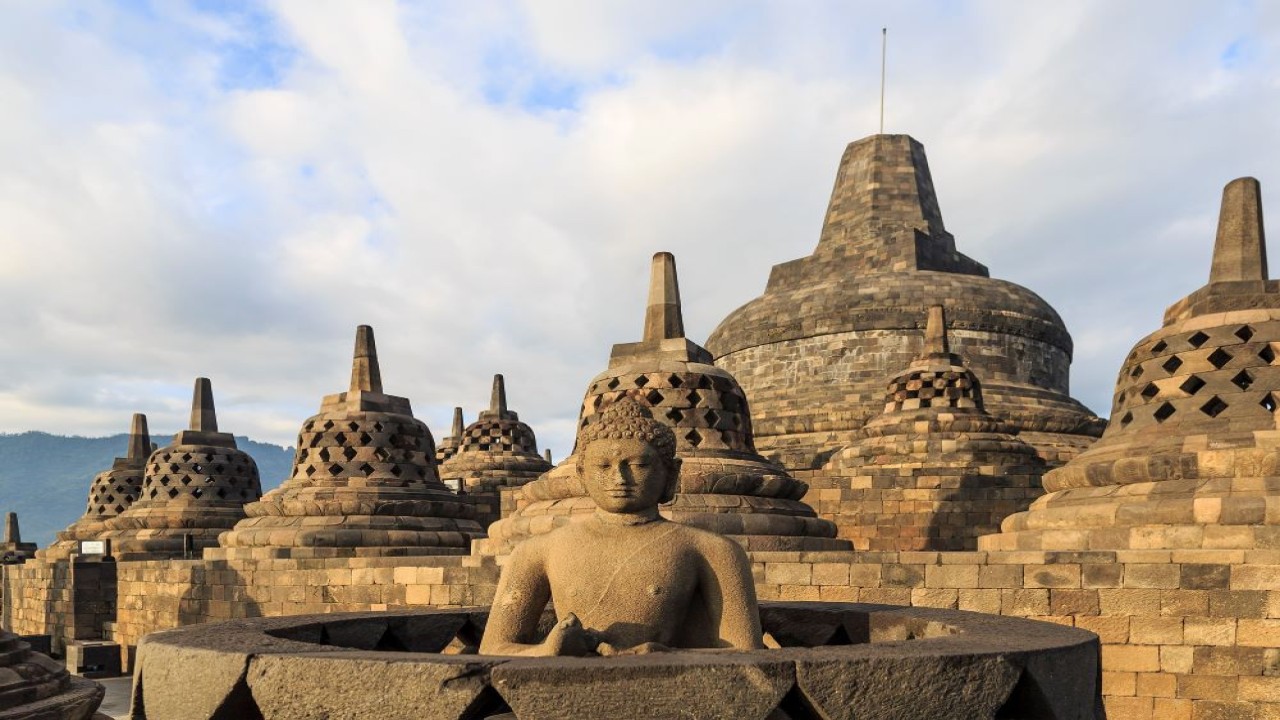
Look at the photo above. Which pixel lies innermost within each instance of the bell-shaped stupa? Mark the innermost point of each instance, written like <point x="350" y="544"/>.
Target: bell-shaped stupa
<point x="935" y="470"/>
<point x="448" y="447"/>
<point x="496" y="451"/>
<point x="1191" y="456"/>
<point x="725" y="486"/>
<point x="111" y="493"/>
<point x="34" y="686"/>
<point x="193" y="489"/>
<point x="812" y="352"/>
<point x="364" y="483"/>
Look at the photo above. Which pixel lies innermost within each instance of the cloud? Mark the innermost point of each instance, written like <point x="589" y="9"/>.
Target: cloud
<point x="191" y="190"/>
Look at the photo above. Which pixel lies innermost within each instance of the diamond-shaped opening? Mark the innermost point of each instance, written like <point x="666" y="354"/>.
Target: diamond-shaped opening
<point x="1267" y="354"/>
<point x="198" y="468"/>
<point x="173" y="493"/>
<point x="340" y="438"/>
<point x="221" y="493"/>
<point x="366" y="469"/>
<point x="208" y="480"/>
<point x="335" y="469"/>
<point x="1150" y="391"/>
<point x="118" y="508"/>
<point x="1159" y="347"/>
<point x="1198" y="339"/>
<point x="323" y="454"/>
<point x="349" y="453"/>
<point x="675" y="415"/>
<point x="396" y="470"/>
<point x="1219" y="358"/>
<point x="365" y="438"/>
<point x="1172" y="364"/>
<point x="1128" y="418"/>
<point x="1191" y="385"/>
<point x="377" y="427"/>
<point x="164" y="480"/>
<point x="695" y="397"/>
<point x="1242" y="380"/>
<point x="328" y="424"/>
<point x="186" y="457"/>
<point x="1164" y="412"/>
<point x="641" y="381"/>
<point x="694" y="438"/>
<point x="198" y="492"/>
<point x="674" y="381"/>
<point x="1214" y="407"/>
<point x="1268" y="402"/>
<point x="614" y="383"/>
<point x="185" y="479"/>
<point x="654" y="397"/>
<point x="353" y="426"/>
<point x="1136" y="372"/>
<point x="311" y="470"/>
<point x="713" y="417"/>
<point x="1244" y="333"/>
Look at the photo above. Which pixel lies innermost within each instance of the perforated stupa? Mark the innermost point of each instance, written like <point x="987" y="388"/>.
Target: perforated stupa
<point x="935" y="470"/>
<point x="495" y="451"/>
<point x="193" y="489"/>
<point x="111" y="493"/>
<point x="364" y="483"/>
<point x="725" y="486"/>
<point x="1191" y="456"/>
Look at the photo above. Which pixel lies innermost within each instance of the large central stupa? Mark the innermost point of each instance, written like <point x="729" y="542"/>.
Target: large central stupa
<point x="812" y="352"/>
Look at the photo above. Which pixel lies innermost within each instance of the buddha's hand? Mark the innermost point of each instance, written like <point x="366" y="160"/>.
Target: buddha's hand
<point x="568" y="637"/>
<point x="605" y="649"/>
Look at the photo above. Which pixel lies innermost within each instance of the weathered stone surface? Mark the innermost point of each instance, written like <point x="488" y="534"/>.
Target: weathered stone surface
<point x="364" y="482"/>
<point x="34" y="686"/>
<point x="813" y="350"/>
<point x="919" y="662"/>
<point x="666" y="686"/>
<point x="336" y="685"/>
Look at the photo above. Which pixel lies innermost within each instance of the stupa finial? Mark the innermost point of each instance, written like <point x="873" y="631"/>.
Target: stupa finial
<point x="457" y="423"/>
<point x="935" y="332"/>
<point x="139" y="438"/>
<point x="365" y="374"/>
<point x="662" y="317"/>
<point x="203" y="416"/>
<point x="1240" y="252"/>
<point x="498" y="399"/>
<point x="12" y="535"/>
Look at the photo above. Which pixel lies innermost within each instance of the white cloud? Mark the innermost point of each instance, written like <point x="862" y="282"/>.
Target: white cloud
<point x="189" y="194"/>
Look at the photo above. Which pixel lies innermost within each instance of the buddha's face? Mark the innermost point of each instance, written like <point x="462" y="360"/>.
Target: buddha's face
<point x="625" y="476"/>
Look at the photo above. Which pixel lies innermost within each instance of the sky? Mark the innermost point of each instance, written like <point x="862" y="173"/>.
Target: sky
<point x="226" y="189"/>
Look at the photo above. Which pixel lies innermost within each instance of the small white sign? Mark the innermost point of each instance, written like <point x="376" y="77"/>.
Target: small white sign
<point x="93" y="547"/>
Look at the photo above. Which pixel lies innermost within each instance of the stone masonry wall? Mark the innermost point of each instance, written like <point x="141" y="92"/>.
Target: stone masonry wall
<point x="162" y="594"/>
<point x="860" y="362"/>
<point x="1185" y="634"/>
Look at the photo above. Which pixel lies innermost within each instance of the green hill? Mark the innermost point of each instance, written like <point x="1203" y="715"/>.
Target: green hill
<point x="45" y="478"/>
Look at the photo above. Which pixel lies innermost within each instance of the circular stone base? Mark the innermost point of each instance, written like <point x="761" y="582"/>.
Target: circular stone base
<point x="832" y="660"/>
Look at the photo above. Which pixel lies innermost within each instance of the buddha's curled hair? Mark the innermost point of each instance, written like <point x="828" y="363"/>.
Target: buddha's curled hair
<point x="627" y="419"/>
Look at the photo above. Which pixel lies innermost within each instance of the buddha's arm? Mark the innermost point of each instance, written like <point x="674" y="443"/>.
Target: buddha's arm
<point x="730" y="594"/>
<point x="523" y="592"/>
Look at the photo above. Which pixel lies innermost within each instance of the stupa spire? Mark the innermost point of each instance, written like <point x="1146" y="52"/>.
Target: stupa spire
<point x="365" y="374"/>
<point x="935" y="332"/>
<point x="662" y="316"/>
<point x="498" y="398"/>
<point x="140" y="439"/>
<point x="12" y="535"/>
<point x="457" y="423"/>
<point x="203" y="416"/>
<point x="1240" y="251"/>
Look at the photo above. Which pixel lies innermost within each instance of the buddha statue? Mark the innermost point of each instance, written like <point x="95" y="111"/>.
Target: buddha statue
<point x="626" y="580"/>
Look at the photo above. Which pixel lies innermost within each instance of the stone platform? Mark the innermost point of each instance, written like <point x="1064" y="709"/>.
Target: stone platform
<point x="832" y="660"/>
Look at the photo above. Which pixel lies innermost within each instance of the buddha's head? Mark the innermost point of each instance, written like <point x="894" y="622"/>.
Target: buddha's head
<point x="627" y="460"/>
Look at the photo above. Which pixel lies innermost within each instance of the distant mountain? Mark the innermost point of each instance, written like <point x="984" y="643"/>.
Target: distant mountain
<point x="45" y="478"/>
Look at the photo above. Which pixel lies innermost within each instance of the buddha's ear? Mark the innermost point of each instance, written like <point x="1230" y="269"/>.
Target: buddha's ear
<point x="673" y="482"/>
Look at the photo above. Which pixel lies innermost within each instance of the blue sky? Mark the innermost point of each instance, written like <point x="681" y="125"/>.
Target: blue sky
<point x="228" y="188"/>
